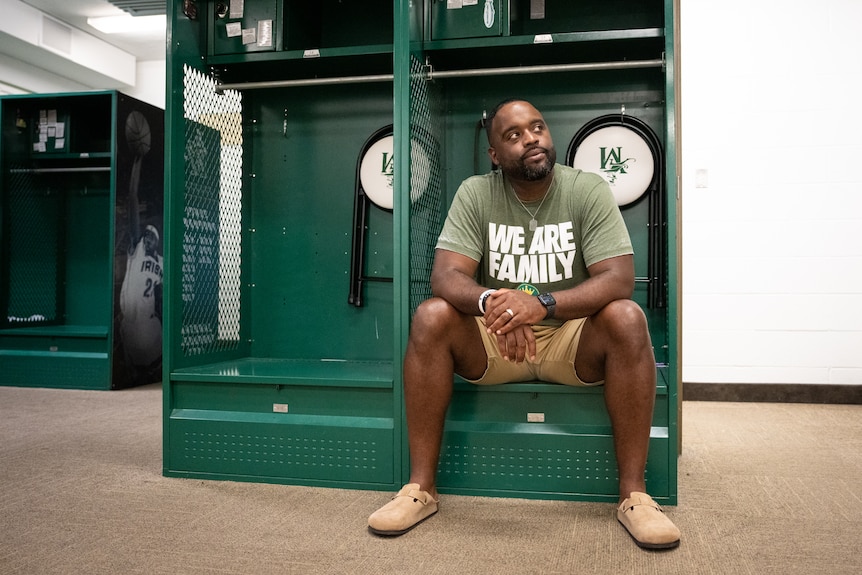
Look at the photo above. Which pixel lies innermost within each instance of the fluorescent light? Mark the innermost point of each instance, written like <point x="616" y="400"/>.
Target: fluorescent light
<point x="128" y="24"/>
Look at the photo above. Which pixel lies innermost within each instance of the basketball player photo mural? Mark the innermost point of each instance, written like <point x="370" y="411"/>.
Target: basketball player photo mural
<point x="141" y="292"/>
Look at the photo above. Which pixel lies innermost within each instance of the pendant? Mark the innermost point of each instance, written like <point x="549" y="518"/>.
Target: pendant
<point x="533" y="225"/>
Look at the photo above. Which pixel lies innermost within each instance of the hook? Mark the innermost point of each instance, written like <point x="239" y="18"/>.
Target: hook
<point x="428" y="69"/>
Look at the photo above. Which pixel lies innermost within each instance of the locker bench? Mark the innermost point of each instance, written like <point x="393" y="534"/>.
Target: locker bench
<point x="69" y="356"/>
<point x="544" y="441"/>
<point x="330" y="424"/>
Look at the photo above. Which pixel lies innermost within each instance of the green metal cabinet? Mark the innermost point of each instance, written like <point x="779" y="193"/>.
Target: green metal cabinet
<point x="273" y="370"/>
<point x="476" y="19"/>
<point x="242" y="27"/>
<point x="66" y="232"/>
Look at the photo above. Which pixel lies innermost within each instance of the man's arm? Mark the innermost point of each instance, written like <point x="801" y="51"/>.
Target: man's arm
<point x="610" y="279"/>
<point x="133" y="204"/>
<point x="453" y="279"/>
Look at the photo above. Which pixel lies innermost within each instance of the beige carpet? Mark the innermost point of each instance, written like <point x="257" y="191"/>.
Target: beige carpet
<point x="764" y="489"/>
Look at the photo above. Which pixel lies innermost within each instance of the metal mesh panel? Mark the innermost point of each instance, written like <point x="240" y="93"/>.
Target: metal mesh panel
<point x="425" y="184"/>
<point x="34" y="262"/>
<point x="212" y="217"/>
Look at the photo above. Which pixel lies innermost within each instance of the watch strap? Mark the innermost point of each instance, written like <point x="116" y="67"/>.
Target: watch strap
<point x="483" y="298"/>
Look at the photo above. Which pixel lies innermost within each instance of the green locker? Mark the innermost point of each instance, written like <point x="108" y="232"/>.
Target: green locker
<point x="452" y="19"/>
<point x="243" y="27"/>
<point x="274" y="369"/>
<point x="81" y="206"/>
<point x="259" y="385"/>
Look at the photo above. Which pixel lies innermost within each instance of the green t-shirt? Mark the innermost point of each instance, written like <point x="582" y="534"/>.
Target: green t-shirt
<point x="578" y="225"/>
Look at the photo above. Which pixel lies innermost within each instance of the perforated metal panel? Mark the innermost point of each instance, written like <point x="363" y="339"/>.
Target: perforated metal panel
<point x="425" y="185"/>
<point x="71" y="371"/>
<point x="212" y="217"/>
<point x="542" y="464"/>
<point x="284" y="452"/>
<point x="35" y="230"/>
<point x="542" y="459"/>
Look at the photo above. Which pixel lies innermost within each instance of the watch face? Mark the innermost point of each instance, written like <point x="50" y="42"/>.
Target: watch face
<point x="547" y="299"/>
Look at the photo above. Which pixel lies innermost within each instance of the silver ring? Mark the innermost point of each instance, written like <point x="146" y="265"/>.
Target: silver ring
<point x="510" y="312"/>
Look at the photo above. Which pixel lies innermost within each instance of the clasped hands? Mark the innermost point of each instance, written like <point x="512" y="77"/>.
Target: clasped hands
<point x="509" y="316"/>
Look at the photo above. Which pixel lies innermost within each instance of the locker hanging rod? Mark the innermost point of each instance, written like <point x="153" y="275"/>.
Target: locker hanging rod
<point x="584" y="67"/>
<point x="308" y="82"/>
<point x="430" y="74"/>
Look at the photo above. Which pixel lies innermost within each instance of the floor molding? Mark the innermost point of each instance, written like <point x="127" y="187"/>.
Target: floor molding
<point x="772" y="392"/>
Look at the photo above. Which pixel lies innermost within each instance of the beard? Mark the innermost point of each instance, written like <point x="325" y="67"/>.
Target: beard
<point x="518" y="169"/>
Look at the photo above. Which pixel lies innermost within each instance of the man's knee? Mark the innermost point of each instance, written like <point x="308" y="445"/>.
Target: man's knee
<point x="434" y="316"/>
<point x="623" y="318"/>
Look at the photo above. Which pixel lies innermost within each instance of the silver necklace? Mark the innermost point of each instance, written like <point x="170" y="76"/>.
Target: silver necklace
<point x="533" y="222"/>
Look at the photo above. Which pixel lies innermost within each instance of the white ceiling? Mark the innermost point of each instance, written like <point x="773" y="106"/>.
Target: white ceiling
<point x="75" y="14"/>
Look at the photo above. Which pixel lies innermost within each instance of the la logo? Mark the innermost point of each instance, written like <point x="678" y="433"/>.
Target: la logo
<point x="612" y="163"/>
<point x="614" y="155"/>
<point x="387" y="167"/>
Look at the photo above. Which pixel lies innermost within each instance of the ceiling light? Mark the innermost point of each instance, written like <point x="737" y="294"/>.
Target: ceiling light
<point x="128" y="24"/>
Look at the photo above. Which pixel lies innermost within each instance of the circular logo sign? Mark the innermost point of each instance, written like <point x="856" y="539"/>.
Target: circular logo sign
<point x="622" y="156"/>
<point x="377" y="171"/>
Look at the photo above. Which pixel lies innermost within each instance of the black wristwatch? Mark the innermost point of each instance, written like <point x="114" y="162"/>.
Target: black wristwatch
<point x="550" y="304"/>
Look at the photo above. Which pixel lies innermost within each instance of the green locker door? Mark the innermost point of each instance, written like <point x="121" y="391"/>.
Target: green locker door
<point x="240" y="27"/>
<point x="452" y="19"/>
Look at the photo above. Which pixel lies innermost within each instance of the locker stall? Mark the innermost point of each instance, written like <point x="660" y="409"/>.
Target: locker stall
<point x="273" y="375"/>
<point x="291" y="287"/>
<point x="82" y="185"/>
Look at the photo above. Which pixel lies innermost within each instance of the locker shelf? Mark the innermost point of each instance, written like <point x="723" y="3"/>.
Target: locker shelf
<point x="323" y="372"/>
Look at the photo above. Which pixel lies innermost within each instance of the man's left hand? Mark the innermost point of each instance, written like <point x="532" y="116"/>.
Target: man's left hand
<point x="509" y="316"/>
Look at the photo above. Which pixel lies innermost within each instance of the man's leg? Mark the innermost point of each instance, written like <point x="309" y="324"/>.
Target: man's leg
<point x="615" y="346"/>
<point x="442" y="341"/>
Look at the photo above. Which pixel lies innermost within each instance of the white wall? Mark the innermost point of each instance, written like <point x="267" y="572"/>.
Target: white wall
<point x="41" y="55"/>
<point x="772" y="246"/>
<point x="47" y="44"/>
<point x="150" y="83"/>
<point x="17" y="77"/>
<point x="20" y="78"/>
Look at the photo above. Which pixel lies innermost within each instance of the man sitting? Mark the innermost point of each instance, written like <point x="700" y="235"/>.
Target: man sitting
<point x="532" y="280"/>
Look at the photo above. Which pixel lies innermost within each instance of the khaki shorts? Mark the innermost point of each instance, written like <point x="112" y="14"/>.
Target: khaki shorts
<point x="555" y="356"/>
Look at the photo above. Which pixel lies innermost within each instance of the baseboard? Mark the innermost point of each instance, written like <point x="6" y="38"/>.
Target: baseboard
<point x="772" y="392"/>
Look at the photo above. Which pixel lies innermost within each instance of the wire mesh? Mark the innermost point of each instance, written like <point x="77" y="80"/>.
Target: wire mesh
<point x="212" y="217"/>
<point x="35" y="228"/>
<point x="426" y="190"/>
